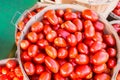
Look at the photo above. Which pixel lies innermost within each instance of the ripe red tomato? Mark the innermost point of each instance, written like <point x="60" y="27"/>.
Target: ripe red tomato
<point x="39" y="69"/>
<point x="73" y="75"/>
<point x="47" y="29"/>
<point x="18" y="72"/>
<point x="98" y="36"/>
<point x="51" y="36"/>
<point x="62" y="33"/>
<point x="32" y="37"/>
<point x="73" y="52"/>
<point x="78" y="36"/>
<point x="112" y="52"/>
<point x="5" y="70"/>
<point x="59" y="12"/>
<point x="102" y="76"/>
<point x="42" y="43"/>
<point x="82" y="48"/>
<point x="40" y="36"/>
<point x="60" y="42"/>
<point x="21" y="25"/>
<point x="70" y="15"/>
<point x="116" y="11"/>
<point x="29" y="68"/>
<point x="62" y="53"/>
<point x="72" y="40"/>
<point x="31" y="14"/>
<point x="52" y="64"/>
<point x="88" y="42"/>
<point x="57" y="76"/>
<point x="111" y="62"/>
<point x="82" y="71"/>
<point x="66" y="69"/>
<point x="11" y="64"/>
<point x="82" y="59"/>
<point x="25" y="57"/>
<point x="99" y="26"/>
<point x="24" y="44"/>
<point x="45" y="76"/>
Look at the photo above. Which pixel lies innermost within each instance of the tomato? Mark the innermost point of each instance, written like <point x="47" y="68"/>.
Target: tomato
<point x="73" y="62"/>
<point x="66" y="69"/>
<point x="21" y="25"/>
<point x="11" y="64"/>
<point x="18" y="35"/>
<point x="67" y="10"/>
<point x="82" y="71"/>
<point x="29" y="68"/>
<point x="39" y="69"/>
<point x="25" y="56"/>
<point x="96" y="46"/>
<point x="73" y="52"/>
<point x="46" y="22"/>
<point x="42" y="43"/>
<point x="99" y="26"/>
<point x="51" y="16"/>
<point x="37" y="27"/>
<point x="31" y="14"/>
<point x="32" y="37"/>
<point x="61" y="61"/>
<point x="116" y="11"/>
<point x="70" y="15"/>
<point x="59" y="12"/>
<point x="32" y="50"/>
<point x="56" y="27"/>
<point x="82" y="48"/>
<point x="90" y="15"/>
<point x="18" y="72"/>
<point x="57" y="76"/>
<point x="25" y="20"/>
<point x="102" y="76"/>
<point x="4" y="77"/>
<point x="112" y="52"/>
<point x="98" y="36"/>
<point x="73" y="75"/>
<point x="88" y="42"/>
<point x="51" y="36"/>
<point x="60" y="21"/>
<point x="69" y="26"/>
<point x="39" y="9"/>
<point x="52" y="64"/>
<point x="99" y="68"/>
<point x="117" y="27"/>
<point x="82" y="59"/>
<point x="47" y="29"/>
<point x="118" y="76"/>
<point x="109" y="40"/>
<point x="89" y="76"/>
<point x="100" y="57"/>
<point x="39" y="58"/>
<point x="111" y="62"/>
<point x="118" y="5"/>
<point x="5" y="70"/>
<point x="62" y="53"/>
<point x="11" y="74"/>
<point x="72" y="40"/>
<point x="60" y="42"/>
<point x="78" y="14"/>
<point x="89" y="29"/>
<point x="24" y="44"/>
<point x="78" y="24"/>
<point x="45" y="76"/>
<point x="78" y="36"/>
<point x="62" y="33"/>
<point x="40" y="36"/>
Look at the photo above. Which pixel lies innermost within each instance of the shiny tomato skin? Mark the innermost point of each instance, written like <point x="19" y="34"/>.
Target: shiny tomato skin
<point x="62" y="53"/>
<point x="117" y="12"/>
<point x="60" y="42"/>
<point x="99" y="68"/>
<point x="78" y="14"/>
<point x="57" y="76"/>
<point x="51" y="51"/>
<point x="117" y="27"/>
<point x="25" y="57"/>
<point x="59" y="12"/>
<point x="99" y="26"/>
<point x="73" y="75"/>
<point x="29" y="68"/>
<point x="42" y="43"/>
<point x="18" y="72"/>
<point x="31" y="14"/>
<point x="102" y="76"/>
<point x="51" y="36"/>
<point x="88" y="42"/>
<point x="98" y="36"/>
<point x="78" y="36"/>
<point x="111" y="62"/>
<point x="24" y="44"/>
<point x="100" y="57"/>
<point x="112" y="52"/>
<point x="5" y="70"/>
<point x="37" y="27"/>
<point x="72" y="40"/>
<point x="52" y="64"/>
<point x="11" y="64"/>
<point x="82" y="48"/>
<point x="33" y="50"/>
<point x="40" y="36"/>
<point x="66" y="69"/>
<point x="47" y="29"/>
<point x="45" y="76"/>
<point x="82" y="59"/>
<point x="39" y="69"/>
<point x="62" y="33"/>
<point x="82" y="71"/>
<point x="32" y="37"/>
<point x="73" y="52"/>
<point x="90" y="15"/>
<point x="70" y="16"/>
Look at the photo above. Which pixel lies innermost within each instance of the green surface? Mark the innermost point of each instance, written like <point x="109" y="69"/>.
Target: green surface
<point x="7" y="10"/>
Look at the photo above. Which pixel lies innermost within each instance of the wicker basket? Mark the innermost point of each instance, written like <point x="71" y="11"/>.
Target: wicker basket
<point x="108" y="29"/>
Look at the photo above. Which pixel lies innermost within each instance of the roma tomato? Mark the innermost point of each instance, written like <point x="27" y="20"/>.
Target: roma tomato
<point x="45" y="76"/>
<point x="73" y="52"/>
<point x="11" y="64"/>
<point x="40" y="36"/>
<point x="47" y="29"/>
<point x="62" y="53"/>
<point x="51" y="36"/>
<point x="112" y="52"/>
<point x="62" y="33"/>
<point x="42" y="43"/>
<point x="52" y="65"/>
<point x="99" y="26"/>
<point x="24" y="44"/>
<point x="39" y="69"/>
<point x="70" y="15"/>
<point x="66" y="69"/>
<point x="78" y="36"/>
<point x="98" y="36"/>
<point x="25" y="57"/>
<point x="72" y="40"/>
<point x="18" y="72"/>
<point x="82" y="48"/>
<point x="32" y="37"/>
<point x="57" y="76"/>
<point x="59" y="12"/>
<point x="111" y="62"/>
<point x="88" y="42"/>
<point x="102" y="76"/>
<point x="60" y="42"/>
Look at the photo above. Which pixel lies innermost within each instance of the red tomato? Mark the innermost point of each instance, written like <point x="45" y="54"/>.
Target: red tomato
<point x="89" y="76"/>
<point x="99" y="26"/>
<point x="32" y="50"/>
<point x="88" y="42"/>
<point x="18" y="72"/>
<point x="4" y="77"/>
<point x="68" y="10"/>
<point x="25" y="56"/>
<point x="46" y="22"/>
<point x="98" y="36"/>
<point x="78" y="14"/>
<point x="51" y="51"/>
<point x="116" y="11"/>
<point x="39" y="69"/>
<point x="66" y="69"/>
<point x="62" y="53"/>
<point x="69" y="26"/>
<point x="72" y="40"/>
<point x="42" y="43"/>
<point x="25" y="20"/>
<point x="82" y="48"/>
<point x="39" y="58"/>
<point x="11" y="64"/>
<point x="31" y="14"/>
<point x="51" y="16"/>
<point x="111" y="62"/>
<point x="73" y="75"/>
<point x="57" y="76"/>
<point x="60" y="21"/>
<point x="18" y="35"/>
<point x="82" y="71"/>
<point x="5" y="70"/>
<point x="11" y="74"/>
<point x="60" y="42"/>
<point x="73" y="52"/>
<point x="51" y="36"/>
<point x="100" y="57"/>
<point x="109" y="40"/>
<point x="99" y="68"/>
<point x="118" y="5"/>
<point x="24" y="44"/>
<point x="117" y="27"/>
<point x="21" y="25"/>
<point x="89" y="29"/>
<point x="29" y="68"/>
<point x="112" y="52"/>
<point x="102" y="76"/>
<point x="82" y="59"/>
<point x="70" y="16"/>
<point x="37" y="27"/>
<point x="90" y="15"/>
<point x="62" y="33"/>
<point x="56" y="27"/>
<point x="78" y="24"/>
<point x="45" y="76"/>
<point x="52" y="65"/>
<point x="78" y="36"/>
<point x="40" y="36"/>
<point x="32" y="37"/>
<point x="59" y="12"/>
<point x="47" y="29"/>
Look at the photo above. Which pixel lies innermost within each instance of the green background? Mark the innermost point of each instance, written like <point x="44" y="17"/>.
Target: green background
<point x="8" y="8"/>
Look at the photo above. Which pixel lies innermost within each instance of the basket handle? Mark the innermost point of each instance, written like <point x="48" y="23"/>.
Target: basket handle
<point x="52" y="2"/>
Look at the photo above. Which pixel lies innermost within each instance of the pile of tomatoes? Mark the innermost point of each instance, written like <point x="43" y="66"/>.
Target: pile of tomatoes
<point x="117" y="9"/>
<point x="68" y="44"/>
<point x="10" y="71"/>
